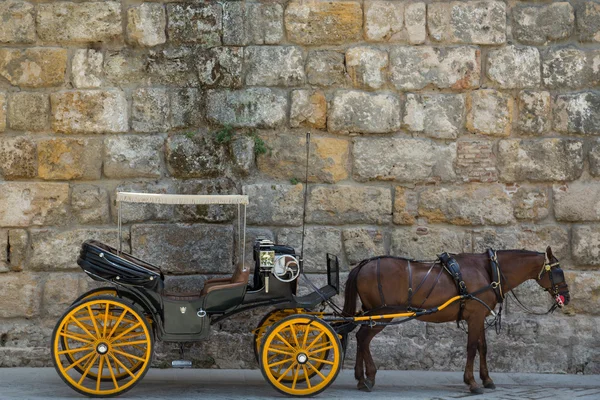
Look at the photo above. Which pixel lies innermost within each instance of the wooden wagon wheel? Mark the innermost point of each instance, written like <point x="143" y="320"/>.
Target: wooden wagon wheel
<point x="294" y="346"/>
<point x="112" y="337"/>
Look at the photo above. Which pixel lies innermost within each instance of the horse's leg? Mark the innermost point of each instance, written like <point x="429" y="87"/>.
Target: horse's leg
<point x="359" y="367"/>
<point x="475" y="325"/>
<point x="370" y="367"/>
<point x="488" y="383"/>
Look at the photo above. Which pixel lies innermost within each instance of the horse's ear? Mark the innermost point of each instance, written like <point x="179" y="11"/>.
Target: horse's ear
<point x="549" y="253"/>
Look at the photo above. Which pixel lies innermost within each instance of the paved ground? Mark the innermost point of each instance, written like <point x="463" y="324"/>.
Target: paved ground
<point x="44" y="383"/>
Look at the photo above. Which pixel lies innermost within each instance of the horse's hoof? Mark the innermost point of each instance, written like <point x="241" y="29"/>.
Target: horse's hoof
<point x="476" y="390"/>
<point x="489" y="385"/>
<point x="363" y="387"/>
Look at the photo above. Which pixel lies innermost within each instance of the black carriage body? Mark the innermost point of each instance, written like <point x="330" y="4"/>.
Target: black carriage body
<point x="183" y="318"/>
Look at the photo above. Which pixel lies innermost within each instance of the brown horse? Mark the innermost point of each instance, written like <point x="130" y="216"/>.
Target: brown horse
<point x="388" y="284"/>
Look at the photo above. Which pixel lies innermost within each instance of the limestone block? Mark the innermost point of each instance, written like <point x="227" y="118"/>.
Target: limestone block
<point x="489" y="112"/>
<point x="79" y="22"/>
<point x="210" y="252"/>
<point x="252" y="23"/>
<point x="588" y="21"/>
<point x="416" y="67"/>
<point x="60" y="290"/>
<point x="326" y="68"/>
<point x="437" y="115"/>
<point x="28" y="111"/>
<point x="514" y="67"/>
<point x="390" y="21"/>
<point x="86" y="68"/>
<point x="322" y="22"/>
<point x="18" y="25"/>
<point x="89" y="111"/>
<point x="274" y="204"/>
<point x="171" y="66"/>
<point x="308" y="108"/>
<point x="527" y="237"/>
<point x="342" y="204"/>
<point x="318" y="242"/>
<point x="594" y="157"/>
<point x="242" y="150"/>
<point x="358" y="112"/>
<point x="137" y="212"/>
<point x="18" y="158"/>
<point x="531" y="203"/>
<point x="274" y="66"/>
<point x="185" y="108"/>
<point x="195" y="23"/>
<point x="367" y="67"/>
<point x="403" y="160"/>
<point x="586" y="244"/>
<point x="19" y="244"/>
<point x="534" y="112"/>
<point x="476" y="22"/>
<point x="133" y="156"/>
<point x="29" y="291"/>
<point x="405" y="206"/>
<point x="251" y="108"/>
<point x="565" y="67"/>
<point x="204" y="213"/>
<point x="89" y="204"/>
<point x="577" y="202"/>
<point x="2" y="111"/>
<point x="422" y="242"/>
<point x="124" y="67"/>
<point x="35" y="203"/>
<point x="328" y="158"/>
<point x="540" y="160"/>
<point x="33" y="67"/>
<point x="221" y="66"/>
<point x="577" y="113"/>
<point x="541" y="24"/>
<point x="150" y="110"/>
<point x="362" y="243"/>
<point x="68" y="159"/>
<point x="476" y="161"/>
<point x="197" y="156"/>
<point x="146" y="24"/>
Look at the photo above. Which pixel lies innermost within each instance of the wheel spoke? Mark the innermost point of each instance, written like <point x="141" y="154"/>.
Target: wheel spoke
<point x="306" y="375"/>
<point x="294" y="335"/>
<point x="77" y="350"/>
<point x="287" y="360"/>
<point x="117" y="324"/>
<point x="100" y="369"/>
<point x="285" y="353"/>
<point x="128" y="356"/>
<point x="310" y="346"/>
<point x="129" y="343"/>
<point x="322" y="361"/>
<point x="306" y="332"/>
<point x="297" y="371"/>
<point x="71" y="336"/>
<point x="93" y="321"/>
<point x="112" y="373"/>
<point x="286" y="372"/>
<point x="122" y="366"/>
<point x="127" y="331"/>
<point x="78" y="362"/>
<point x="284" y="341"/>
<point x="82" y="327"/>
<point x="320" y="349"/>
<point x="105" y="321"/>
<point x="87" y="370"/>
<point x="316" y="370"/>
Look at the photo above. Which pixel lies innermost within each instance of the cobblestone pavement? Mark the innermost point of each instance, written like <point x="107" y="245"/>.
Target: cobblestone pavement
<point x="44" y="383"/>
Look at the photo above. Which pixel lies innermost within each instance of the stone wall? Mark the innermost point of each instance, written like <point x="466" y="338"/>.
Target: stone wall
<point x="435" y="126"/>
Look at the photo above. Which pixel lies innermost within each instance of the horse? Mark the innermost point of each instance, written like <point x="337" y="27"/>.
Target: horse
<point x="386" y="284"/>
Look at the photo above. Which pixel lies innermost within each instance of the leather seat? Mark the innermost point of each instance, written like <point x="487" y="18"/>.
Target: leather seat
<point x="238" y="279"/>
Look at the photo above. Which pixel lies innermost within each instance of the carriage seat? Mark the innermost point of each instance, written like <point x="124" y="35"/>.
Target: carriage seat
<point x="238" y="279"/>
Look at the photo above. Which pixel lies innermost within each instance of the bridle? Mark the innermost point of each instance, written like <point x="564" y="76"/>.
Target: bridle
<point x="558" y="289"/>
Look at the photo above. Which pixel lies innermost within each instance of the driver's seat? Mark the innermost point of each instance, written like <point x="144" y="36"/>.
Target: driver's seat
<point x="221" y="294"/>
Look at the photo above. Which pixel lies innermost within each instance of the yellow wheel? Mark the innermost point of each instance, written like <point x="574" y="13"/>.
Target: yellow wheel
<point x="102" y="337"/>
<point x="294" y="347"/>
<point x="265" y="323"/>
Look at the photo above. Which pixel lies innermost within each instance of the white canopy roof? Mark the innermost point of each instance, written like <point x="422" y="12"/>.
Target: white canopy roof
<point x="158" y="198"/>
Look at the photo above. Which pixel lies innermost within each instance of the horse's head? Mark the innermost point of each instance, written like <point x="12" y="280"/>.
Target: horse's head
<point x="552" y="279"/>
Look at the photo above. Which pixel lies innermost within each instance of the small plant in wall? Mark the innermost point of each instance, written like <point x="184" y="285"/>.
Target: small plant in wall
<point x="227" y="134"/>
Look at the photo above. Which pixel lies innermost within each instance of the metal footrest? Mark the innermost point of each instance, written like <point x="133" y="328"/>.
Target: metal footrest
<point x="181" y="364"/>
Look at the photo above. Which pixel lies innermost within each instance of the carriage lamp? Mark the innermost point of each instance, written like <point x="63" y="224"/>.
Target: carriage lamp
<point x="266" y="260"/>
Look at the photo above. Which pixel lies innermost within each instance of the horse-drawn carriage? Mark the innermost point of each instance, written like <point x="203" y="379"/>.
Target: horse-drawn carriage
<point x="103" y="344"/>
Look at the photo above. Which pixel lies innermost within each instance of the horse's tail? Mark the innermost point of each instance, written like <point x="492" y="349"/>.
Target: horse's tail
<point x="352" y="290"/>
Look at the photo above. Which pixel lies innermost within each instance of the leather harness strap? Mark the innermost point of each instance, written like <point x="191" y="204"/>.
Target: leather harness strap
<point x="496" y="276"/>
<point x="379" y="286"/>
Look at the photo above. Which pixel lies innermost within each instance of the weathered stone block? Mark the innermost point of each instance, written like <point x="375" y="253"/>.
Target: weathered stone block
<point x="586" y="245"/>
<point x="195" y="23"/>
<point x="17" y="246"/>
<point x="531" y="203"/>
<point x="415" y="15"/>
<point x="437" y="115"/>
<point x="150" y="110"/>
<point x="367" y="67"/>
<point x="534" y="112"/>
<point x="362" y="243"/>
<point x="467" y="205"/>
<point x="384" y="21"/>
<point x="60" y="290"/>
<point x="146" y="24"/>
<point x="308" y="108"/>
<point x="252" y="23"/>
<point x="477" y="22"/>
<point x="210" y="252"/>
<point x="172" y="66"/>
<point x="221" y="66"/>
<point x="29" y="295"/>
<point x="137" y="212"/>
<point x="197" y="156"/>
<point x="67" y="159"/>
<point x="206" y="213"/>
<point x="65" y="247"/>
<point x="576" y="202"/>
<point x="33" y="67"/>
<point x="541" y="24"/>
<point x="322" y="22"/>
<point x="89" y="111"/>
<point x="274" y="204"/>
<point x="274" y="66"/>
<point x="427" y="242"/>
<point x="79" y="22"/>
<point x="28" y="111"/>
<point x="18" y="25"/>
<point x="405" y="206"/>
<point x="565" y="67"/>
<point x="540" y="160"/>
<point x="86" y="68"/>
<point x="577" y="113"/>
<point x="476" y="161"/>
<point x="319" y="241"/>
<point x="2" y="111"/>
<point x="528" y="237"/>
<point x="583" y="288"/>
<point x="126" y="67"/>
<point x="588" y="21"/>
<point x="403" y="160"/>
<point x="26" y="204"/>
<point x="358" y="112"/>
<point x="328" y="158"/>
<point x="243" y="153"/>
<point x="514" y="67"/>
<point x="185" y="108"/>
<point x="89" y="204"/>
<point x="418" y="67"/>
<point x="326" y="68"/>
<point x="594" y="157"/>
<point x="133" y="156"/>
<point x="253" y="107"/>
<point x="489" y="112"/>
<point x="18" y="158"/>
<point x="338" y="205"/>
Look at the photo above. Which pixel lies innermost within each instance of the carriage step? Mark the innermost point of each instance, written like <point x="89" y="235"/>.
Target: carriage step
<point x="181" y="364"/>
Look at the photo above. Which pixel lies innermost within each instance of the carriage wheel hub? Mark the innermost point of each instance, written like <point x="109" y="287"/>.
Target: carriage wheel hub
<point x="302" y="358"/>
<point x="102" y="348"/>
